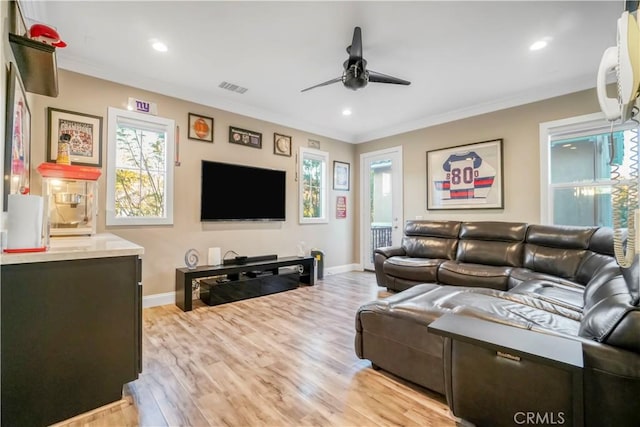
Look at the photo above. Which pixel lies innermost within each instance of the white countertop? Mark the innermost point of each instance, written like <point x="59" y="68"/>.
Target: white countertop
<point x="101" y="245"/>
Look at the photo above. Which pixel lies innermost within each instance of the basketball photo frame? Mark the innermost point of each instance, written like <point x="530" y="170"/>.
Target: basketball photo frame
<point x="200" y="128"/>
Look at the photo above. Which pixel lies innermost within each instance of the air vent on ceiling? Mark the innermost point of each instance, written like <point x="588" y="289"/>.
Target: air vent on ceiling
<point x="232" y="87"/>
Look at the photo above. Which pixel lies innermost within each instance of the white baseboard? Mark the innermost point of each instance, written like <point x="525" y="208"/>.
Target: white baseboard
<point x="343" y="269"/>
<point x="158" y="299"/>
<point x="170" y="297"/>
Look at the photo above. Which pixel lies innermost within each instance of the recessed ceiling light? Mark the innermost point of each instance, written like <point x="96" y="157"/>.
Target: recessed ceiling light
<point x="540" y="44"/>
<point x="346" y="112"/>
<point x="159" y="46"/>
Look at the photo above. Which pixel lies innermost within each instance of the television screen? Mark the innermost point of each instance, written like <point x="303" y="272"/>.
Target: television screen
<point x="241" y="193"/>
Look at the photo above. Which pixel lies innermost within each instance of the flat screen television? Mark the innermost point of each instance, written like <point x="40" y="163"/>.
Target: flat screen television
<point x="241" y="193"/>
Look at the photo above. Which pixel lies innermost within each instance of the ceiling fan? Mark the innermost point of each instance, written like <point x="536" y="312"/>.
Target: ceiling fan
<point x="355" y="74"/>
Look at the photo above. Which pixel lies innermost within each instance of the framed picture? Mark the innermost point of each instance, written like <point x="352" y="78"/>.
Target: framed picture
<point x="245" y="137"/>
<point x="200" y="128"/>
<point x="86" y="136"/>
<point x="340" y="175"/>
<point x="17" y="147"/>
<point x="341" y="207"/>
<point x="281" y="145"/>
<point x="466" y="177"/>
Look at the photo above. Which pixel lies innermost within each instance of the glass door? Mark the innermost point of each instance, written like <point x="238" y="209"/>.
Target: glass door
<point x="382" y="223"/>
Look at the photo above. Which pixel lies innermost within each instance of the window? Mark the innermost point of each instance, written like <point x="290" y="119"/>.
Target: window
<point x="139" y="169"/>
<point x="577" y="181"/>
<point x="313" y="186"/>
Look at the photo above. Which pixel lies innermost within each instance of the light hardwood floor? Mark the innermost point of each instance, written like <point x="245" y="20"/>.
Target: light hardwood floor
<point x="285" y="359"/>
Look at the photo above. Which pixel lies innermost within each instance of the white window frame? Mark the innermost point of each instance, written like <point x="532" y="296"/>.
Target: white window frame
<point x="115" y="115"/>
<point x="571" y="127"/>
<point x="324" y="157"/>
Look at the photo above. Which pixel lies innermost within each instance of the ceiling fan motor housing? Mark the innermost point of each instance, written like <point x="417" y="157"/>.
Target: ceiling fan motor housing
<point x="355" y="79"/>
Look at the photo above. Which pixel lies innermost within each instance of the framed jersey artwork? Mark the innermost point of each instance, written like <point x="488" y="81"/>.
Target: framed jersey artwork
<point x="466" y="177"/>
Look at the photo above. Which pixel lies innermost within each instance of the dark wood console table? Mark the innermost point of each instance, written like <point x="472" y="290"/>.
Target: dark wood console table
<point x="185" y="276"/>
<point x="499" y="374"/>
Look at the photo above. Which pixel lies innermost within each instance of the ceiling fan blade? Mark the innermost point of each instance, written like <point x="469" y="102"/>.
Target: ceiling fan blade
<point x="383" y="78"/>
<point x="355" y="50"/>
<point x="328" y="82"/>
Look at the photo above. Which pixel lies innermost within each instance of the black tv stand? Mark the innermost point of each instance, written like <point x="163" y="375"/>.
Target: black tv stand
<point x="185" y="276"/>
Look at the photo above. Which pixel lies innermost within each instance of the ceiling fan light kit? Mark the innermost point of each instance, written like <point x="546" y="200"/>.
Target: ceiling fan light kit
<point x="355" y="75"/>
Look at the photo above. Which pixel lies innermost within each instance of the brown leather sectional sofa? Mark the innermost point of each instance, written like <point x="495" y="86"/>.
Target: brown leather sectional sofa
<point x="548" y="324"/>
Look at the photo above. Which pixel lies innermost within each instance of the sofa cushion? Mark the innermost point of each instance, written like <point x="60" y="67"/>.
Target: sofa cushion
<point x="429" y="247"/>
<point x="491" y="243"/>
<point x="427" y="302"/>
<point x="519" y="275"/>
<point x="448" y="229"/>
<point x="416" y="269"/>
<point x="602" y="241"/>
<point x="490" y="253"/>
<point x="557" y="262"/>
<point x="614" y="321"/>
<point x="431" y="239"/>
<point x="473" y="275"/>
<point x="603" y="287"/>
<point x="493" y="230"/>
<point x="555" y="293"/>
<point x="560" y="236"/>
<point x="592" y="264"/>
<point x="555" y="249"/>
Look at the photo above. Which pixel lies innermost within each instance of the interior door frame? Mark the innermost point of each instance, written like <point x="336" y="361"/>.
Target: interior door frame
<point x="364" y="195"/>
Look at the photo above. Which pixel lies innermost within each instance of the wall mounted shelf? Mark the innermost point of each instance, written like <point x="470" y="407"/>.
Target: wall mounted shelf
<point x="37" y="64"/>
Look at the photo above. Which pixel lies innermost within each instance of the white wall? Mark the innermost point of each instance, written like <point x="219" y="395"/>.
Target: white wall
<point x="165" y="245"/>
<point x="517" y="126"/>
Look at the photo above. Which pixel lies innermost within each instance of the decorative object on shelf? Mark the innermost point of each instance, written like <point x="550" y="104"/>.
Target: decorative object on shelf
<point x="46" y="34"/>
<point x="302" y="249"/>
<point x="341" y="207"/>
<point x="314" y="144"/>
<point x="86" y="136"/>
<point x="281" y="145"/>
<point x="466" y="177"/>
<point x="245" y="137"/>
<point x="17" y="147"/>
<point x="64" y="150"/>
<point x="213" y="257"/>
<point x="200" y="128"/>
<point x="191" y="258"/>
<point x="341" y="175"/>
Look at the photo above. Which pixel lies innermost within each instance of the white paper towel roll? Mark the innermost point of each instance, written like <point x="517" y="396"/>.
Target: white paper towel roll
<point x="24" y="221"/>
<point x="214" y="256"/>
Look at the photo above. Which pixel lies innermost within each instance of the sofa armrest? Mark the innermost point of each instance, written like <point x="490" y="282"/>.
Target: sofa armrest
<point x="380" y="255"/>
<point x="499" y="375"/>
<point x="389" y="251"/>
